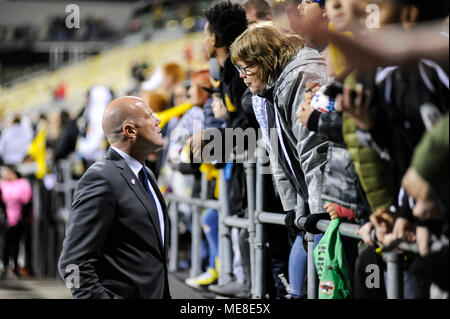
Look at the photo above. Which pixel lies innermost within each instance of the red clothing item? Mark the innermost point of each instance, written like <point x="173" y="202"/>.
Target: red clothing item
<point x="343" y="212"/>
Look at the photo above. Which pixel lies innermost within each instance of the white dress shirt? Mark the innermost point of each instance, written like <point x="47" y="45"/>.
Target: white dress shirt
<point x="136" y="167"/>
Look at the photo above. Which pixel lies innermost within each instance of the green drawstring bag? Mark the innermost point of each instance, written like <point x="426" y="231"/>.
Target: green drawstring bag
<point x="334" y="280"/>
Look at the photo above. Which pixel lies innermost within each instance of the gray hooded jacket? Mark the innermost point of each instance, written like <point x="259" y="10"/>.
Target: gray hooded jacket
<point x="310" y="149"/>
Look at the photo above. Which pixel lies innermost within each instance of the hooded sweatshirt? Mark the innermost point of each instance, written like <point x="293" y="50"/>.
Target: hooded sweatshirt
<point x="298" y="156"/>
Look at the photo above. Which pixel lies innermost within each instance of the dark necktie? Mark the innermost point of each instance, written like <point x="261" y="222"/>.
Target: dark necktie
<point x="143" y="177"/>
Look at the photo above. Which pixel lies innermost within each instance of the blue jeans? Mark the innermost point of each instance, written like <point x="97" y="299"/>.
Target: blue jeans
<point x="210" y="225"/>
<point x="298" y="261"/>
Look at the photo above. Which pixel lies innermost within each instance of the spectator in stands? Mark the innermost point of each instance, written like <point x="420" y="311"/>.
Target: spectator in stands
<point x="166" y="79"/>
<point x="209" y="219"/>
<point x="198" y="98"/>
<point x="54" y="127"/>
<point x="14" y="141"/>
<point x="180" y="93"/>
<point x="277" y="67"/>
<point x="397" y="138"/>
<point x="60" y="91"/>
<point x="66" y="142"/>
<point x="427" y="182"/>
<point x="217" y="106"/>
<point x="3" y="228"/>
<point x="91" y="145"/>
<point x="139" y="75"/>
<point x="159" y="100"/>
<point x="172" y="74"/>
<point x="225" y="22"/>
<point x="185" y="175"/>
<point x="312" y="12"/>
<point x="257" y="10"/>
<point x="16" y="194"/>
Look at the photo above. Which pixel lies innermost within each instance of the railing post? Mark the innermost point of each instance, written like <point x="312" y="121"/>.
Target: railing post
<point x="196" y="256"/>
<point x="173" y="215"/>
<point x="225" y="253"/>
<point x="67" y="182"/>
<point x="394" y="275"/>
<point x="250" y="169"/>
<point x="258" y="278"/>
<point x="37" y="258"/>
<point x="312" y="275"/>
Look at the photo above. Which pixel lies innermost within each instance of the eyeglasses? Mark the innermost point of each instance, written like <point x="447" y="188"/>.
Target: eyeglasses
<point x="243" y="70"/>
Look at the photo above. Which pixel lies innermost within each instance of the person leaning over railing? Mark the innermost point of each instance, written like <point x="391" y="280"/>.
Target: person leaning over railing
<point x="277" y="66"/>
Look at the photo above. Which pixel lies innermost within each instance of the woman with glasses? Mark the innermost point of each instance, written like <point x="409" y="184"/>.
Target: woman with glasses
<point x="277" y="66"/>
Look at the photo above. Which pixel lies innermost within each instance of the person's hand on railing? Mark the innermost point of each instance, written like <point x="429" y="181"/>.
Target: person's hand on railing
<point x="329" y="207"/>
<point x="403" y="228"/>
<point x="383" y="221"/>
<point x="289" y="221"/>
<point x="336" y="211"/>
<point x="365" y="233"/>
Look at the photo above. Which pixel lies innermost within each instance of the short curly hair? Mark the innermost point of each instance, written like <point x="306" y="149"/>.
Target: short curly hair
<point x="227" y="21"/>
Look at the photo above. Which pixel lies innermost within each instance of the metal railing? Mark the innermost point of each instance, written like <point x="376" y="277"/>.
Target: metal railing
<point x="254" y="223"/>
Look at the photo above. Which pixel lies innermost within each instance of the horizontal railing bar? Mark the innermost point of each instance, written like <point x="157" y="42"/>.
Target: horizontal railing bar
<point x="345" y="229"/>
<point x="271" y="218"/>
<point x="236" y="222"/>
<point x="213" y="204"/>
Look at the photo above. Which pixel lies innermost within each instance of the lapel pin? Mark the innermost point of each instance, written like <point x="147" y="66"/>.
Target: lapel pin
<point x="133" y="181"/>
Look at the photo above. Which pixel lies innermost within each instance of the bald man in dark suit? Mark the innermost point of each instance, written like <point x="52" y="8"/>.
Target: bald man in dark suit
<point x="117" y="232"/>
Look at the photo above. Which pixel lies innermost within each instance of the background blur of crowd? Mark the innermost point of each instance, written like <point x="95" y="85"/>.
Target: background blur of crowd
<point x="47" y="144"/>
<point x="37" y="136"/>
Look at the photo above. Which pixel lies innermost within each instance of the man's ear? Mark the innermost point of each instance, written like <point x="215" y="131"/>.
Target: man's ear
<point x="129" y="130"/>
<point x="409" y="16"/>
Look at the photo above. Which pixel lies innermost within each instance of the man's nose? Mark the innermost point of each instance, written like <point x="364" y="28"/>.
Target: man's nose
<point x="242" y="75"/>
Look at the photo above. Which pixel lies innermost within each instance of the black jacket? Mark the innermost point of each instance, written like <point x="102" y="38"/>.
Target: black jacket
<point x="405" y="100"/>
<point x="406" y="103"/>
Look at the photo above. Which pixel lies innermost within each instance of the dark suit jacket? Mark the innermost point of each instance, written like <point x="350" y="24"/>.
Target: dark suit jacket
<point x="113" y="235"/>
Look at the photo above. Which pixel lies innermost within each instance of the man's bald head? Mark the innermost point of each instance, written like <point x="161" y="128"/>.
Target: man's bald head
<point x="118" y="113"/>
